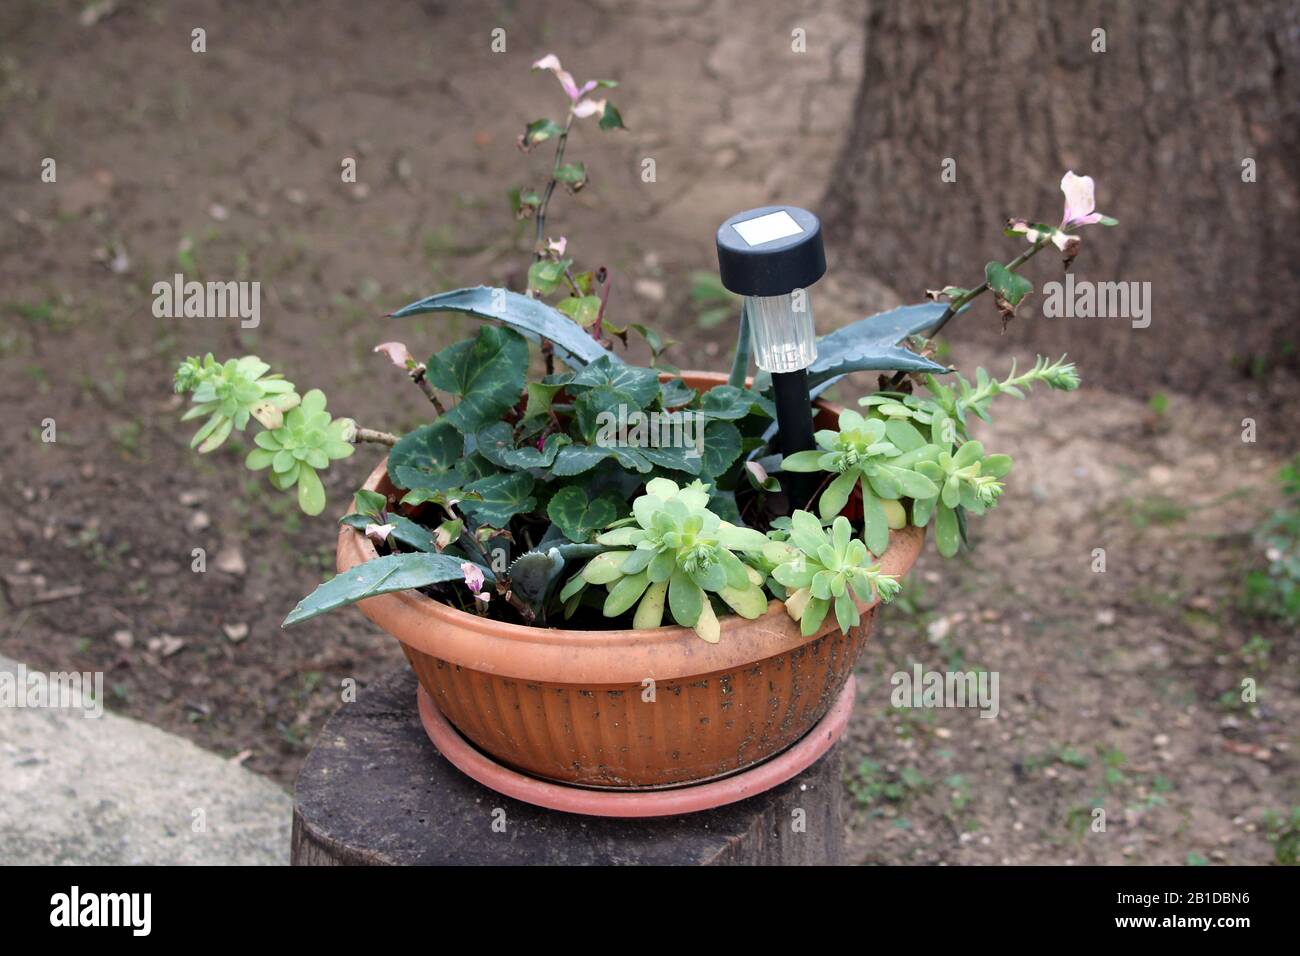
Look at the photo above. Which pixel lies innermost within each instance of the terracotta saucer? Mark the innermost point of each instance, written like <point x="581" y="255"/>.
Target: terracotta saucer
<point x="657" y="803"/>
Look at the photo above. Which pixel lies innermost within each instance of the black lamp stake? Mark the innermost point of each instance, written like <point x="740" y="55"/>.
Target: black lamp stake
<point x="771" y="255"/>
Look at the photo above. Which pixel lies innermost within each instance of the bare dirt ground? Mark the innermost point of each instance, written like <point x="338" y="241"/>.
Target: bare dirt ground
<point x="226" y="164"/>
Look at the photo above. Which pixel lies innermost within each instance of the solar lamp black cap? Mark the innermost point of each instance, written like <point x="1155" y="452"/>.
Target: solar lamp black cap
<point x="770" y="251"/>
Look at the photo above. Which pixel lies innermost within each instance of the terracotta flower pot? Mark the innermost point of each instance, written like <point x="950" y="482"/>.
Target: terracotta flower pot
<point x="624" y="708"/>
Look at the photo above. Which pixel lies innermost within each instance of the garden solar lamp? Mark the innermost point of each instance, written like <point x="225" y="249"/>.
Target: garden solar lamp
<point x="771" y="256"/>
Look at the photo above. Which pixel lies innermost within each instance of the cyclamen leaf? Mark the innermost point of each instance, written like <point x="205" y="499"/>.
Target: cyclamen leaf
<point x="721" y="448"/>
<point x="369" y="502"/>
<point x="394" y="572"/>
<point x="501" y="497"/>
<point x="423" y="458"/>
<point x="540" y="397"/>
<point x="486" y="373"/>
<point x="674" y="393"/>
<point x="685" y="460"/>
<point x="731" y="403"/>
<point x="641" y="384"/>
<point x="598" y="409"/>
<point x="530" y="316"/>
<point x="576" y="459"/>
<point x="494" y="441"/>
<point x="531" y="457"/>
<point x="577" y="514"/>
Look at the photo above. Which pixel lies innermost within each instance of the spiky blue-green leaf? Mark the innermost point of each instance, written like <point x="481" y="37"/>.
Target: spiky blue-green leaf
<point x="871" y="344"/>
<point x="394" y="572"/>
<point x="532" y="317"/>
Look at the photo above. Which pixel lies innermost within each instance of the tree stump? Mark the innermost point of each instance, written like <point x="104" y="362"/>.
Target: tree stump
<point x="374" y="791"/>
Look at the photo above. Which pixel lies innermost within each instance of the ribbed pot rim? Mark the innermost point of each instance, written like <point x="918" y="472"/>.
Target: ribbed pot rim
<point x="560" y="655"/>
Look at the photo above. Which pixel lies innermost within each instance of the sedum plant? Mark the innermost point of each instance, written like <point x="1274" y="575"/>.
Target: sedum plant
<point x="820" y="571"/>
<point x="862" y="456"/>
<point x="681" y="551"/>
<point x="307" y="440"/>
<point x="229" y="393"/>
<point x="910" y="459"/>
<point x="510" y="498"/>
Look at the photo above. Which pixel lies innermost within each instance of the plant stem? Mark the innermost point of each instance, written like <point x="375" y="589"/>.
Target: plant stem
<point x="560" y="142"/>
<point x="548" y="351"/>
<point x="372" y="435"/>
<point x="973" y="294"/>
<point x="524" y="610"/>
<point x="598" y="327"/>
<point x="418" y="376"/>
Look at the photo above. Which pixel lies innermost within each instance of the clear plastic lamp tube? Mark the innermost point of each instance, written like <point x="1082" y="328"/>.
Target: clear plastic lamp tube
<point x="785" y="339"/>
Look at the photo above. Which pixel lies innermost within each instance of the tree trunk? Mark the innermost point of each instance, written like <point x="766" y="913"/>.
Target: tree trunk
<point x="1164" y="119"/>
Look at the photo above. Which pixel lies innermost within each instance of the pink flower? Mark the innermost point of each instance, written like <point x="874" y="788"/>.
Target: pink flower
<point x="551" y="62"/>
<point x="557" y="246"/>
<point x="589" y="108"/>
<point x="397" y="354"/>
<point x="473" y="578"/>
<point x="379" y="532"/>
<point x="1080" y="201"/>
<point x="1080" y="210"/>
<point x="581" y="107"/>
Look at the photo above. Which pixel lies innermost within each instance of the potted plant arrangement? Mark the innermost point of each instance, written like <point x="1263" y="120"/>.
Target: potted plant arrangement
<point x="622" y="576"/>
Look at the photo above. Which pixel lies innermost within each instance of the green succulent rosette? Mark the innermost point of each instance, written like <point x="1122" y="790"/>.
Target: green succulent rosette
<point x="307" y="441"/>
<point x="230" y="393"/>
<point x="673" y="558"/>
<point x="821" y="571"/>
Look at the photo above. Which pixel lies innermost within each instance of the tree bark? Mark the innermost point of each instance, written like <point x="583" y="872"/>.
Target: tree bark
<point x="1163" y="120"/>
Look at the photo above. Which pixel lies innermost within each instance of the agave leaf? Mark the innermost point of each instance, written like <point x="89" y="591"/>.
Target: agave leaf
<point x="394" y="572"/>
<point x="533" y="577"/>
<point x="872" y="344"/>
<point x="740" y="363"/>
<point x="532" y="317"/>
<point x="404" y="530"/>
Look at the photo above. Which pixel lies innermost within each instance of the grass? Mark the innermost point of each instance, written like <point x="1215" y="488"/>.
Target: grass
<point x="870" y="783"/>
<point x="1156" y="509"/>
<point x="1283" y="831"/>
